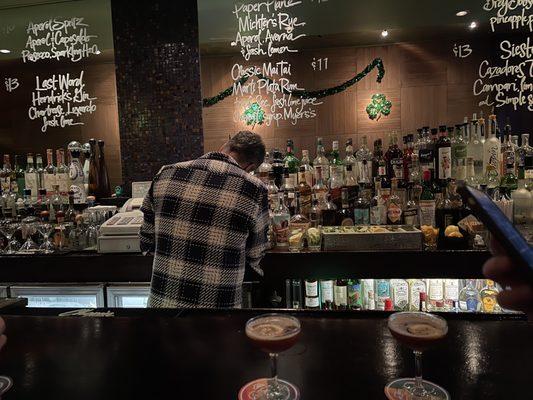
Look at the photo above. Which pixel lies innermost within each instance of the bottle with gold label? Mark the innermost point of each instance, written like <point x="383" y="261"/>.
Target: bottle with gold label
<point x="488" y="297"/>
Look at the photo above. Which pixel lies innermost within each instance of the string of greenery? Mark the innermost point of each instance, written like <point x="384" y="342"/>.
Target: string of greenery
<point x="376" y="63"/>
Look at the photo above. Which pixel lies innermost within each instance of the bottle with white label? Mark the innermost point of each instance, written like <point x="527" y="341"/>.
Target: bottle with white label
<point x="443" y="165"/>
<point x="77" y="181"/>
<point x="49" y="176"/>
<point x="30" y="177"/>
<point x="435" y="293"/>
<point x="62" y="175"/>
<point x="492" y="148"/>
<point x="340" y="294"/>
<point x="400" y="294"/>
<point x="416" y="286"/>
<point x="367" y="288"/>
<point x="326" y="294"/>
<point x="312" y="300"/>
<point x="451" y="293"/>
<point x="382" y="291"/>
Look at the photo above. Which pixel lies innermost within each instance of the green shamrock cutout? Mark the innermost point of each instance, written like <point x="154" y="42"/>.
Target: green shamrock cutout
<point x="378" y="106"/>
<point x="254" y="114"/>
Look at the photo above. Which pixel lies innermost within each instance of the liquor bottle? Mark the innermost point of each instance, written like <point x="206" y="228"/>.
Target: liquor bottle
<point x="340" y="294"/>
<point x="522" y="204"/>
<point x="350" y="161"/>
<point x="411" y="211"/>
<point x="459" y="153"/>
<point x="288" y="190"/>
<point x="263" y="171"/>
<point x="378" y="157"/>
<point x="291" y="162"/>
<point x="416" y="286"/>
<point x="383" y="175"/>
<point x="488" y="297"/>
<point x="5" y="175"/>
<point x="368" y="294"/>
<point x="40" y="170"/>
<point x="475" y="148"/>
<point x="92" y="169"/>
<point x="491" y="180"/>
<point x="394" y="206"/>
<point x="507" y="149"/>
<point x="444" y="213"/>
<point x="17" y="182"/>
<point x="314" y="213"/>
<point x="104" y="187"/>
<point x="321" y="160"/>
<point x="394" y="158"/>
<point x="320" y="189"/>
<point x="451" y="293"/>
<point x="522" y="153"/>
<point x="471" y="179"/>
<point x="378" y="207"/>
<point x="305" y="191"/>
<point x="435" y="292"/>
<point x="326" y="294"/>
<point x="56" y="202"/>
<point x="296" y="293"/>
<point x="328" y="212"/>
<point x="49" y="176"/>
<point x="345" y="215"/>
<point x="443" y="159"/>
<point x="364" y="163"/>
<point x="309" y="171"/>
<point x="351" y="185"/>
<point x="426" y="151"/>
<point x="30" y="177"/>
<point x="382" y="291"/>
<point x="469" y="299"/>
<point x="408" y="157"/>
<point x="362" y="210"/>
<point x="312" y="300"/>
<point x="336" y="174"/>
<point x="70" y="214"/>
<point x="509" y="181"/>
<point x="76" y="174"/>
<point x="299" y="220"/>
<point x="272" y="191"/>
<point x="277" y="167"/>
<point x="427" y="202"/>
<point x="62" y="174"/>
<point x="280" y="222"/>
<point x="400" y="294"/>
<point x="86" y="155"/>
<point x="354" y="294"/>
<point x="491" y="148"/>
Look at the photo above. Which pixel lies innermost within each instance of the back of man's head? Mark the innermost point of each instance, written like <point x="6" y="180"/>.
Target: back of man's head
<point x="247" y="148"/>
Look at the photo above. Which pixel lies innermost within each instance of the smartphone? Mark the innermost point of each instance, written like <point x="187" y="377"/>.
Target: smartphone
<point x="499" y="225"/>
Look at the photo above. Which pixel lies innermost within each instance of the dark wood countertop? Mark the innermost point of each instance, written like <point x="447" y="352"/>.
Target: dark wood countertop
<point x="205" y="355"/>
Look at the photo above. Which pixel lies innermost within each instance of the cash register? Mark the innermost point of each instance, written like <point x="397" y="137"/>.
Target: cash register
<point x="120" y="233"/>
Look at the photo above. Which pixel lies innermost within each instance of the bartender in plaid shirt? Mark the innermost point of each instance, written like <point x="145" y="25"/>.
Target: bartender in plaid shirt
<point x="206" y="220"/>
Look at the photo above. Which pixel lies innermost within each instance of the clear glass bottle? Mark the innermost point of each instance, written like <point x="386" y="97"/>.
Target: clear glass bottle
<point x="5" y="175"/>
<point x="345" y="215"/>
<point x="280" y="222"/>
<point x="289" y="190"/>
<point x="451" y="293"/>
<point x="18" y="172"/>
<point x="474" y="148"/>
<point x="400" y="294"/>
<point x="469" y="299"/>
<point x="50" y="173"/>
<point x="298" y="225"/>
<point x="522" y="204"/>
<point x="394" y="206"/>
<point x="40" y="170"/>
<point x="378" y="208"/>
<point x="56" y="202"/>
<point x="509" y="182"/>
<point x="336" y="175"/>
<point x="305" y="191"/>
<point x="272" y="191"/>
<point x="320" y="189"/>
<point x="291" y="162"/>
<point x="427" y="202"/>
<point x="522" y="153"/>
<point x="435" y="293"/>
<point x="350" y="161"/>
<point x="309" y="170"/>
<point x="263" y="171"/>
<point x="488" y="298"/>
<point x="362" y="210"/>
<point x="471" y="179"/>
<point x="321" y="160"/>
<point x="62" y="175"/>
<point x="30" y="177"/>
<point x="492" y="149"/>
<point x="76" y="174"/>
<point x="459" y="154"/>
<point x="411" y="212"/>
<point x="364" y="163"/>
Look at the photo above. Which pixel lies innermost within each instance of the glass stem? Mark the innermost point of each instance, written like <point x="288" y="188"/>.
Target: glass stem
<point x="274" y="368"/>
<point x="418" y="369"/>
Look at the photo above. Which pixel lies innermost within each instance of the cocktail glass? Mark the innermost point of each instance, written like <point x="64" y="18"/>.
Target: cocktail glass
<point x="45" y="229"/>
<point x="296" y="239"/>
<point x="418" y="331"/>
<point x="8" y="229"/>
<point x="28" y="226"/>
<point x="272" y="333"/>
<point x="314" y="239"/>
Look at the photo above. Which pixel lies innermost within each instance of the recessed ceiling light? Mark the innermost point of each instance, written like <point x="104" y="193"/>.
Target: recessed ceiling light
<point x="384" y="33"/>
<point x="462" y="13"/>
<point x="5" y="51"/>
<point x="473" y="25"/>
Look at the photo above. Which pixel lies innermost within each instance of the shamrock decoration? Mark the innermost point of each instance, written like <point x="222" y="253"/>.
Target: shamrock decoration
<point x="254" y="114"/>
<point x="378" y="106"/>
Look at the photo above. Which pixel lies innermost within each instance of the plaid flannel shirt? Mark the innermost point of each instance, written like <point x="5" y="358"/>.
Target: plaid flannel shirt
<point x="205" y="220"/>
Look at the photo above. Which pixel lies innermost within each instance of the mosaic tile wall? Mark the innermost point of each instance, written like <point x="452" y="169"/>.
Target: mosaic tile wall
<point x="158" y="84"/>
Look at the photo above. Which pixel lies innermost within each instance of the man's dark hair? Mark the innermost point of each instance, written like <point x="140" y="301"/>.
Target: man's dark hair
<point x="249" y="146"/>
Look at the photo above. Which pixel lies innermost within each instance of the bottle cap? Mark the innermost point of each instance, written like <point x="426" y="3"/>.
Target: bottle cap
<point x="388" y="304"/>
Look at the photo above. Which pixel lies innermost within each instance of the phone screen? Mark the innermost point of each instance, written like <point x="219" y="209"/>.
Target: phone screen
<point x="499" y="225"/>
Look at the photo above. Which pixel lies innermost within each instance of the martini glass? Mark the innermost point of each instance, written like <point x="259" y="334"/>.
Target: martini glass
<point x="28" y="226"/>
<point x="45" y="229"/>
<point x="272" y="333"/>
<point x="418" y="331"/>
<point x="8" y="229"/>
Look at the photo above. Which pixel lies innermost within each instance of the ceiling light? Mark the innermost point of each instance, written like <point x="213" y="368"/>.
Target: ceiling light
<point x="462" y="13"/>
<point x="5" y="51"/>
<point x="473" y="25"/>
<point x="384" y="33"/>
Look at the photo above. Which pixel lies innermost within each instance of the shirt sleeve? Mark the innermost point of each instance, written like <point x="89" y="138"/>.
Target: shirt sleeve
<point x="258" y="236"/>
<point x="147" y="233"/>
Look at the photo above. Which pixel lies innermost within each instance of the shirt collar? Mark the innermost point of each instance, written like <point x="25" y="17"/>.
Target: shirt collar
<point x="216" y="155"/>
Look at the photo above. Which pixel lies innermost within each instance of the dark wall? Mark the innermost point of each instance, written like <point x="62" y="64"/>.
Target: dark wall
<point x="158" y="84"/>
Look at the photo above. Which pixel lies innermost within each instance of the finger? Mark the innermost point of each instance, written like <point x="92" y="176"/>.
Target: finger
<point x="518" y="298"/>
<point x="496" y="248"/>
<point x="2" y="325"/>
<point x="502" y="269"/>
<point x="3" y="340"/>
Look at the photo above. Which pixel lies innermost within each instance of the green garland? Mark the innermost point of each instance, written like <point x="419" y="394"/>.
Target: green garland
<point x="376" y="63"/>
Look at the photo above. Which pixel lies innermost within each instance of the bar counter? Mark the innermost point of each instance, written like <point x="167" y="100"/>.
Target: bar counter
<point x="205" y="355"/>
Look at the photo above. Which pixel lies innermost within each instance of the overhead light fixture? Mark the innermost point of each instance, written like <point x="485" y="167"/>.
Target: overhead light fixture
<point x="473" y="25"/>
<point x="384" y="33"/>
<point x="461" y="13"/>
<point x="5" y="51"/>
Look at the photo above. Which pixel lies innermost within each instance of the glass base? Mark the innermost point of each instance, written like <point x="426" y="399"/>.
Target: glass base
<point x="263" y="389"/>
<point x="403" y="389"/>
<point x="5" y="384"/>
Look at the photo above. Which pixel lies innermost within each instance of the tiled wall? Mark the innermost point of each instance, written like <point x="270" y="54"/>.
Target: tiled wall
<point x="158" y="84"/>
